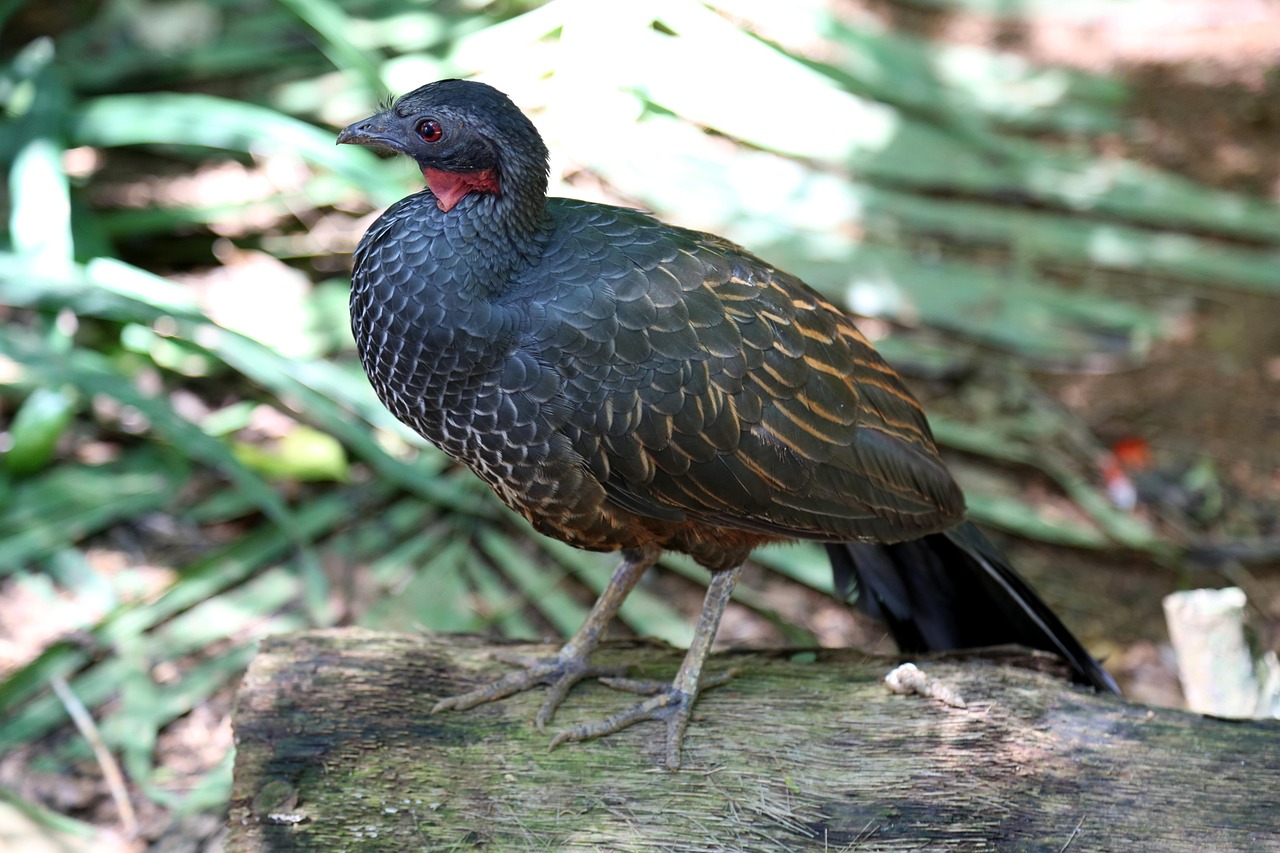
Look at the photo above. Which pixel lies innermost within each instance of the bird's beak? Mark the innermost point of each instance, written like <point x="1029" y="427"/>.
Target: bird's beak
<point x="374" y="132"/>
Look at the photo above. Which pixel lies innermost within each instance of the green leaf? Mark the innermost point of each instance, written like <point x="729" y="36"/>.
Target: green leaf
<point x="540" y="582"/>
<point x="205" y="121"/>
<point x="40" y="217"/>
<point x="646" y="613"/>
<point x="92" y="374"/>
<point x="332" y="24"/>
<point x="302" y="454"/>
<point x="65" y="504"/>
<point x="30" y="715"/>
<point x="40" y="421"/>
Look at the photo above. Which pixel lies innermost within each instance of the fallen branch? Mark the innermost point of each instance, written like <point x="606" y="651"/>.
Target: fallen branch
<point x="802" y="751"/>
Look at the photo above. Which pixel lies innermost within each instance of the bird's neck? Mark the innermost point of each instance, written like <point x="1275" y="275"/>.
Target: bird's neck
<point x="494" y="234"/>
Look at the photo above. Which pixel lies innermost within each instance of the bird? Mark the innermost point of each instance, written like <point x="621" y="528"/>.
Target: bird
<point x="631" y="386"/>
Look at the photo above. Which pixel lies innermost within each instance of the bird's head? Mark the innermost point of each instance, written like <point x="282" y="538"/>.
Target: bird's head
<point x="465" y="136"/>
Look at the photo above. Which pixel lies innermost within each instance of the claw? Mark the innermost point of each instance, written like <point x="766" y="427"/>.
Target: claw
<point x="663" y="706"/>
<point x="572" y="663"/>
<point x="667" y="702"/>
<point x="559" y="688"/>
<point x="649" y="688"/>
<point x="559" y="674"/>
<point x="672" y="703"/>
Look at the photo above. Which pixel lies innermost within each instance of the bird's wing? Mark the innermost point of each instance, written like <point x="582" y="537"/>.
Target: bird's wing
<point x="705" y="384"/>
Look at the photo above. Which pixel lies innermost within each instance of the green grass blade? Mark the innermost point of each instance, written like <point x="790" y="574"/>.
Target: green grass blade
<point x="204" y="121"/>
<point x="92" y="374"/>
<point x="68" y="503"/>
<point x="539" y="581"/>
<point x="333" y="25"/>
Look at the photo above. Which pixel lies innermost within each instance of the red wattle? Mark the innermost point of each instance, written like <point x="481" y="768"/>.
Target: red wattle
<point x="449" y="188"/>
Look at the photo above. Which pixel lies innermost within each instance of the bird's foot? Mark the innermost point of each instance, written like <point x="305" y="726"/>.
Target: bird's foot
<point x="667" y="703"/>
<point x="559" y="674"/>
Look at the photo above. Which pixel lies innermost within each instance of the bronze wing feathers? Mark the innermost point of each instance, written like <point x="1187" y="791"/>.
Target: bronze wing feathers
<point x="760" y="406"/>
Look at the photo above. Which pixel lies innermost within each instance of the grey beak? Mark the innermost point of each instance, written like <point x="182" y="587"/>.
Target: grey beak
<point x="373" y="132"/>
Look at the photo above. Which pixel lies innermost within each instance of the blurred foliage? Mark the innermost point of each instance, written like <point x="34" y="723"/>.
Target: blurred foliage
<point x="215" y="424"/>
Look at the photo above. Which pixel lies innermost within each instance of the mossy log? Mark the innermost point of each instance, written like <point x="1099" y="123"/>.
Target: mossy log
<point x="337" y="750"/>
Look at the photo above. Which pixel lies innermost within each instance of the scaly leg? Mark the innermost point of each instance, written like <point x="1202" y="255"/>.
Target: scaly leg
<point x="572" y="663"/>
<point x="670" y="702"/>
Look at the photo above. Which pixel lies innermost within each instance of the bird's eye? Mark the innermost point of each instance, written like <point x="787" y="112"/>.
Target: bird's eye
<point x="430" y="130"/>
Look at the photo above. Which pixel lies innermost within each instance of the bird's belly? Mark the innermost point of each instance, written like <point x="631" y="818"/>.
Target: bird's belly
<point x="455" y="401"/>
<point x="432" y="400"/>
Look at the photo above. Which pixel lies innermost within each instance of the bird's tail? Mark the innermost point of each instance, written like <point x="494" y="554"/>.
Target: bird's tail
<point x="954" y="590"/>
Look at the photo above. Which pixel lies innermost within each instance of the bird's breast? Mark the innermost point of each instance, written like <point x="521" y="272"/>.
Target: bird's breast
<point x="432" y="345"/>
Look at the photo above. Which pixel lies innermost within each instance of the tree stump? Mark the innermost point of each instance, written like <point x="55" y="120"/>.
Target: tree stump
<point x="802" y="751"/>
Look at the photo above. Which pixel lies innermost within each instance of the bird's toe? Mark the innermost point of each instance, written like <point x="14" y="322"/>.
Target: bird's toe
<point x="558" y="674"/>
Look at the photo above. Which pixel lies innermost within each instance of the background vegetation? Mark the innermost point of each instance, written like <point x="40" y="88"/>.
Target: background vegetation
<point x="192" y="458"/>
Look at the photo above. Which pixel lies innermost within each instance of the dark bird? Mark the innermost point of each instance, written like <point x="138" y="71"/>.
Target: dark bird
<point x="630" y="386"/>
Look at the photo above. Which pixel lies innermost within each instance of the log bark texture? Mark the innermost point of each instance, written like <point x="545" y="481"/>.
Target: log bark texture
<point x="802" y="751"/>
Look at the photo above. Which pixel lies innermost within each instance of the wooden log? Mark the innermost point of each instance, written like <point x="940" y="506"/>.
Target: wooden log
<point x="337" y="750"/>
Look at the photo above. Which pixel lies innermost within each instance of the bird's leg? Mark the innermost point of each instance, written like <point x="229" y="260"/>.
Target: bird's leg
<point x="572" y="663"/>
<point x="670" y="702"/>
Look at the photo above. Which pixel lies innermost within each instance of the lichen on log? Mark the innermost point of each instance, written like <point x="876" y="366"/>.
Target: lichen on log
<point x="337" y="750"/>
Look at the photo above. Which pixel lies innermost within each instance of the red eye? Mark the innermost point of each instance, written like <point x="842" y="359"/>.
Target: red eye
<point x="430" y="130"/>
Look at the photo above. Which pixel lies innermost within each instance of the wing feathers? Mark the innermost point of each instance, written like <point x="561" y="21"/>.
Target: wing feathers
<point x="738" y="395"/>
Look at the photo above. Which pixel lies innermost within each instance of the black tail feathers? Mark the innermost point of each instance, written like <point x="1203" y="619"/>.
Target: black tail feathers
<point x="954" y="590"/>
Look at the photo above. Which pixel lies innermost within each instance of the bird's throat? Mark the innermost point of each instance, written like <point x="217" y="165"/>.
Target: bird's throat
<point x="449" y="188"/>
